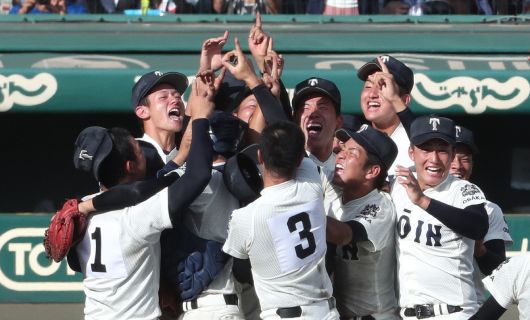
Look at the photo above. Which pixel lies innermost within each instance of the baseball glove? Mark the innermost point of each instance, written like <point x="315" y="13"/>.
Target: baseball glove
<point x="67" y="228"/>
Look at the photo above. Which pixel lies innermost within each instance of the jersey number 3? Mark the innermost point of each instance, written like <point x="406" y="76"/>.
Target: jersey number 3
<point x="97" y="266"/>
<point x="305" y="233"/>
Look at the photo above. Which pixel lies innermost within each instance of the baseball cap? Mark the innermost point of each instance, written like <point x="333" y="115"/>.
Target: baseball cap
<point x="226" y="131"/>
<point x="426" y="128"/>
<point x="149" y="80"/>
<point x="373" y="141"/>
<point x="91" y="147"/>
<point x="465" y="136"/>
<point x="402" y="74"/>
<point x="316" y="85"/>
<point x="230" y="94"/>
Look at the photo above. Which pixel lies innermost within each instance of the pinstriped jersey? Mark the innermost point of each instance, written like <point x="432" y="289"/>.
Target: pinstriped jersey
<point x="510" y="284"/>
<point x="120" y="260"/>
<point x="283" y="233"/>
<point x="208" y="218"/>
<point x="364" y="271"/>
<point x="435" y="264"/>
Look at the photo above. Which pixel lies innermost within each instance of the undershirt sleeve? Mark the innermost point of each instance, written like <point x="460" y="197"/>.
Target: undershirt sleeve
<point x="471" y="222"/>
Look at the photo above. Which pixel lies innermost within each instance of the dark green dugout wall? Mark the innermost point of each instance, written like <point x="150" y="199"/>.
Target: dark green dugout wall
<point x="60" y="74"/>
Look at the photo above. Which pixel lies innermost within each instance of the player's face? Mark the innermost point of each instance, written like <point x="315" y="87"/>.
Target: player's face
<point x="246" y="108"/>
<point x="462" y="165"/>
<point x="375" y="108"/>
<point x="166" y="108"/>
<point x="433" y="160"/>
<point x="350" y="165"/>
<point x="319" y="121"/>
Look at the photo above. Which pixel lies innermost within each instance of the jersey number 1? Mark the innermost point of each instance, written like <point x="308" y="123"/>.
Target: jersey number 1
<point x="97" y="266"/>
<point x="305" y="233"/>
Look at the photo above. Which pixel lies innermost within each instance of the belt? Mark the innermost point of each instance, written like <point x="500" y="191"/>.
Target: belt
<point x="295" y="312"/>
<point x="368" y="317"/>
<point x="422" y="311"/>
<point x="211" y="300"/>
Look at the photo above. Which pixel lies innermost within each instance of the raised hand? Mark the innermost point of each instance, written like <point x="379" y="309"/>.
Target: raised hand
<point x="211" y="53"/>
<point x="410" y="183"/>
<point x="388" y="87"/>
<point x="258" y="42"/>
<point x="204" y="89"/>
<point x="240" y="67"/>
<point x="273" y="70"/>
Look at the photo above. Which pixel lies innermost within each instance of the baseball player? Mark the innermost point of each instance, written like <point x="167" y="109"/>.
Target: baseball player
<point x="120" y="252"/>
<point x="283" y="233"/>
<point x="508" y="284"/>
<point x="386" y="91"/>
<point x="438" y="219"/>
<point x="208" y="217"/>
<point x="316" y="105"/>
<point x="362" y="225"/>
<point x="490" y="251"/>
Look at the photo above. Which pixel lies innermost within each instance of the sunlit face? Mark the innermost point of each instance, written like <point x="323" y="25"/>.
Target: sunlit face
<point x="350" y="164"/>
<point x="374" y="107"/>
<point x="166" y="108"/>
<point x="462" y="165"/>
<point x="433" y="160"/>
<point x="318" y="120"/>
<point x="246" y="108"/>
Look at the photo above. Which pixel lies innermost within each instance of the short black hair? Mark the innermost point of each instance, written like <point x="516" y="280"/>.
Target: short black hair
<point x="282" y="147"/>
<point x="112" y="169"/>
<point x="373" y="160"/>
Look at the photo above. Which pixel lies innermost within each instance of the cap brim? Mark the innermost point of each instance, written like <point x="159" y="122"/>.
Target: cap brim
<point x="346" y="134"/>
<point x="421" y="139"/>
<point x="174" y="79"/>
<point x="367" y="70"/>
<point x="308" y="90"/>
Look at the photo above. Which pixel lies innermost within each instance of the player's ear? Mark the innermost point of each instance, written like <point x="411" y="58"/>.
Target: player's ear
<point x="142" y="112"/>
<point x="260" y="157"/>
<point x="411" y="152"/>
<point x="340" y="121"/>
<point x="373" y="172"/>
<point x="406" y="99"/>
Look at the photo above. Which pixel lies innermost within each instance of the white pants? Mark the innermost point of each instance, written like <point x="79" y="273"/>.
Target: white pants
<point x="316" y="311"/>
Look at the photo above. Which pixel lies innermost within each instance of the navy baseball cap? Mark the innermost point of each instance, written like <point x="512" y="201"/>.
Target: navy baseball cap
<point x="426" y="128"/>
<point x="92" y="146"/>
<point x="465" y="136"/>
<point x="402" y="74"/>
<point x="316" y="85"/>
<point x="230" y="94"/>
<point x="373" y="141"/>
<point x="149" y="80"/>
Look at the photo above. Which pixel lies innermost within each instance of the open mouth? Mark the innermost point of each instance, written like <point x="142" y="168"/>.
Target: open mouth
<point x="174" y="114"/>
<point x="373" y="104"/>
<point x="314" y="128"/>
<point x="457" y="175"/>
<point x="339" y="168"/>
<point x="434" y="170"/>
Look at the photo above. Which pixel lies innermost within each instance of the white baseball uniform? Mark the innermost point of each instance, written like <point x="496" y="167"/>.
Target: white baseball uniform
<point x="327" y="171"/>
<point x="283" y="233"/>
<point x="510" y="284"/>
<point x="435" y="264"/>
<point x="120" y="260"/>
<point x="364" y="273"/>
<point x="165" y="157"/>
<point x="498" y="229"/>
<point x="402" y="141"/>
<point x="208" y="218"/>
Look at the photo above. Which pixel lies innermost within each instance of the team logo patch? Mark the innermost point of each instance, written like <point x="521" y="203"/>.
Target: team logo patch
<point x="469" y="190"/>
<point x="369" y="212"/>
